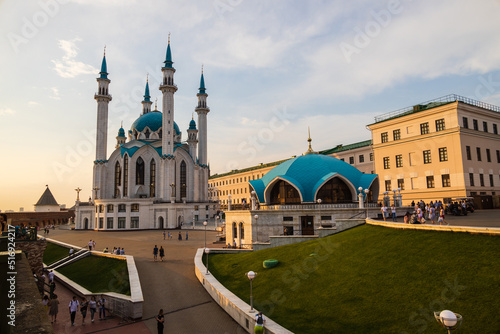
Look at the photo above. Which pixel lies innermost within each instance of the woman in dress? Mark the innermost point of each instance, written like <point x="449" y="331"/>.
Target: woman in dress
<point x="54" y="308"/>
<point x="162" y="253"/>
<point x="160" y="319"/>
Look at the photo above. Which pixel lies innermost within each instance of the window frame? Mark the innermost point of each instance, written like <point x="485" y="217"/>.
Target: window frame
<point x="440" y="125"/>
<point x="443" y="154"/>
<point x="427" y="157"/>
<point x="387" y="163"/>
<point x="430" y="182"/>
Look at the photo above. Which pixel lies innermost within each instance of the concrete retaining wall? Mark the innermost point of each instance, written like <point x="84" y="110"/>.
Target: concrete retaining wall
<point x="469" y="229"/>
<point x="230" y="303"/>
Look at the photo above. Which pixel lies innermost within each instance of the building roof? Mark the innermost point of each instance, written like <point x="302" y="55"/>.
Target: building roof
<point x="192" y="125"/>
<point x="248" y="169"/>
<point x="309" y="172"/>
<point x="153" y="120"/>
<point x="341" y="148"/>
<point x="133" y="146"/>
<point x="104" y="69"/>
<point x="47" y="198"/>
<point x="440" y="101"/>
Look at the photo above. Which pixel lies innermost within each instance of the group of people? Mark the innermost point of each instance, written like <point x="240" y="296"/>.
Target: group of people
<point x="233" y="246"/>
<point x="115" y="251"/>
<point x="168" y="235"/>
<point x="159" y="251"/>
<point x="92" y="305"/>
<point x="429" y="211"/>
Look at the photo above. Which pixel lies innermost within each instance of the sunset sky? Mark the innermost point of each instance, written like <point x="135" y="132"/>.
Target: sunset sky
<point x="272" y="68"/>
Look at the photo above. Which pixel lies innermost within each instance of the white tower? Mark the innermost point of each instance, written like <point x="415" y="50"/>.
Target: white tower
<point x="102" y="97"/>
<point x="146" y="103"/>
<point x="168" y="88"/>
<point x="202" y="110"/>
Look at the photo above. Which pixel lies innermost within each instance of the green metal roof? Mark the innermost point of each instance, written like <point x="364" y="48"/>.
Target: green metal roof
<point x="202" y="85"/>
<point x="147" y="97"/>
<point x="238" y="171"/>
<point x="168" y="59"/>
<point x="104" y="69"/>
<point x="341" y="148"/>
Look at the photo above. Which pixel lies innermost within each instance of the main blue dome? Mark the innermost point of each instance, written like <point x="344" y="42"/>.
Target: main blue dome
<point x="152" y="120"/>
<point x="307" y="173"/>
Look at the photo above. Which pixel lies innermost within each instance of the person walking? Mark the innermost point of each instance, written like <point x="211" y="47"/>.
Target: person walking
<point x="73" y="307"/>
<point x="162" y="253"/>
<point x="441" y="217"/>
<point x="54" y="308"/>
<point x="92" y="307"/>
<point x="155" y="253"/>
<point x="259" y="323"/>
<point x="187" y="236"/>
<point x="45" y="301"/>
<point x="102" y="307"/>
<point x="384" y="211"/>
<point x="180" y="236"/>
<point x="432" y="214"/>
<point x="394" y="216"/>
<point x="90" y="245"/>
<point x="83" y="309"/>
<point x="164" y="235"/>
<point x="160" y="320"/>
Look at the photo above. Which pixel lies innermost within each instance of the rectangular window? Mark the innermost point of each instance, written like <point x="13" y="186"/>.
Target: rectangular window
<point x="440" y="124"/>
<point x="430" y="181"/>
<point x="495" y="129"/>
<point x="485" y="127"/>
<point x="465" y="122"/>
<point x="427" y="156"/>
<point x="386" y="163"/>
<point x="401" y="184"/>
<point x="491" y="181"/>
<point x="122" y="208"/>
<point x="424" y="128"/>
<point x="443" y="154"/>
<point x="481" y="180"/>
<point x="371" y="157"/>
<point x="498" y="156"/>
<point x="134" y="222"/>
<point x="399" y="160"/>
<point x="326" y="217"/>
<point x="467" y="151"/>
<point x="111" y="208"/>
<point x="351" y="160"/>
<point x="101" y="222"/>
<point x="475" y="124"/>
<point x="488" y="155"/>
<point x="288" y="219"/>
<point x="385" y="137"/>
<point x="413" y="159"/>
<point x="388" y="186"/>
<point x="478" y="152"/>
<point x="471" y="179"/>
<point x="109" y="223"/>
<point x="101" y="208"/>
<point x="134" y="208"/>
<point x="121" y="222"/>
<point x="446" y="180"/>
<point x="396" y="134"/>
<point x="361" y="158"/>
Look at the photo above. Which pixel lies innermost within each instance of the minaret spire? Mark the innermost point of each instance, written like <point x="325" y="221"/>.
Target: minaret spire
<point x="146" y="103"/>
<point x="202" y="110"/>
<point x="104" y="69"/>
<point x="309" y="150"/>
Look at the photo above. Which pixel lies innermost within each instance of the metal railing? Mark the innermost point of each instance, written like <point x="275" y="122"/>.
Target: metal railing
<point x="315" y="206"/>
<point x="444" y="99"/>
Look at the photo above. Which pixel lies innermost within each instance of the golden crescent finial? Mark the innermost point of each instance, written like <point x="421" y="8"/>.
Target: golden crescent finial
<point x="169" y="38"/>
<point x="104" y="50"/>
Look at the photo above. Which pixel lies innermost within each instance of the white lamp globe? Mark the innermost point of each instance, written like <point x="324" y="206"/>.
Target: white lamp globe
<point x="256" y="216"/>
<point x="207" y="250"/>
<point x="448" y="318"/>
<point x="360" y="189"/>
<point x="251" y="275"/>
<point x="367" y="191"/>
<point x="319" y="201"/>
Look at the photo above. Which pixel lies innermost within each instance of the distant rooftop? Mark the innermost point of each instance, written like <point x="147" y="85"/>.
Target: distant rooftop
<point x="47" y="198"/>
<point x="433" y="104"/>
<point x="237" y="171"/>
<point x="341" y="148"/>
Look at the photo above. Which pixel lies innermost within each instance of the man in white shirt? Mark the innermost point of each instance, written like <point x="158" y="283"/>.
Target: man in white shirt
<point x="73" y="307"/>
<point x="51" y="276"/>
<point x="384" y="211"/>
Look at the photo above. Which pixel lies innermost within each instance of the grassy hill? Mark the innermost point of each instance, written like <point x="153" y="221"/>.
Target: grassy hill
<point x="373" y="280"/>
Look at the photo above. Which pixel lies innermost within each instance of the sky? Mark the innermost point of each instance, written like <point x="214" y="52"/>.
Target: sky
<point x="272" y="69"/>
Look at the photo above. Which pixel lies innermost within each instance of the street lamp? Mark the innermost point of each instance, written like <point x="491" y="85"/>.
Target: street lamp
<point x="216" y="222"/>
<point x="256" y="227"/>
<point x="449" y="320"/>
<point x="319" y="206"/>
<point x="205" y="224"/>
<point x="207" y="250"/>
<point x="366" y="200"/>
<point x="251" y="275"/>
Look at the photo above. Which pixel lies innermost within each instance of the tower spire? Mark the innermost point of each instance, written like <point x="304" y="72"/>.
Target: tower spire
<point x="309" y="150"/>
<point x="146" y="103"/>
<point x="202" y="82"/>
<point x="104" y="69"/>
<point x="168" y="59"/>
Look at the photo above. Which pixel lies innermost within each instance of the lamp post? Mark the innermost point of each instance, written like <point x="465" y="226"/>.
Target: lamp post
<point x="449" y="320"/>
<point x="251" y="275"/>
<point x="207" y="250"/>
<point x="253" y="199"/>
<point x="256" y="227"/>
<point x="205" y="224"/>
<point x="400" y="200"/>
<point x="319" y="206"/>
<point x="366" y="200"/>
<point x="395" y="198"/>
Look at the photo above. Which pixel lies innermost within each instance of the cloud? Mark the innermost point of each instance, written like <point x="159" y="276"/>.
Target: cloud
<point x="68" y="67"/>
<point x="33" y="103"/>
<point x="6" y="112"/>
<point x="55" y="93"/>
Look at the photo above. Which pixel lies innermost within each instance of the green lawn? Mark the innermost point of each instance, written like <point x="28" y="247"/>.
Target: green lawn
<point x="99" y="274"/>
<point x="373" y="280"/>
<point x="54" y="253"/>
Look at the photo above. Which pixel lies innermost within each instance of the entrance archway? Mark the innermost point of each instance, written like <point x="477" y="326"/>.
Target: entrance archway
<point x="160" y="223"/>
<point x="86" y="223"/>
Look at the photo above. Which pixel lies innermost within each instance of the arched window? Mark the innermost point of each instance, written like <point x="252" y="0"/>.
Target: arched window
<point x="335" y="191"/>
<point x="235" y="230"/>
<point x="242" y="231"/>
<point x="152" y="175"/>
<point x="125" y="176"/>
<point x="118" y="179"/>
<point x="183" y="179"/>
<point x="284" y="193"/>
<point x="139" y="171"/>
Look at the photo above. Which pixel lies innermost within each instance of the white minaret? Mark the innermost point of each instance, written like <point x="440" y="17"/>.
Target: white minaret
<point x="202" y="110"/>
<point x="192" y="139"/>
<point x="168" y="88"/>
<point x="102" y="97"/>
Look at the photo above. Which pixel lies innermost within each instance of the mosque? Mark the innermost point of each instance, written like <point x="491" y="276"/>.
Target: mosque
<point x="153" y="179"/>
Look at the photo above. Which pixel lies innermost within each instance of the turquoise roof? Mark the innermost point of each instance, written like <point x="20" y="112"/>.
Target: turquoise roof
<point x="309" y="172"/>
<point x="131" y="150"/>
<point x="121" y="132"/>
<point x="147" y="97"/>
<point x="104" y="69"/>
<point x="202" y="85"/>
<point x="153" y="120"/>
<point x="168" y="59"/>
<point x="192" y="125"/>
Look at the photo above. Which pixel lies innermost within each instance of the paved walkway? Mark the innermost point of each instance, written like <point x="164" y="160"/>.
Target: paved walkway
<point x="480" y="218"/>
<point x="171" y="285"/>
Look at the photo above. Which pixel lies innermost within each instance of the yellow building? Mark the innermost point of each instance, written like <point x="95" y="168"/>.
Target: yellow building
<point x="442" y="149"/>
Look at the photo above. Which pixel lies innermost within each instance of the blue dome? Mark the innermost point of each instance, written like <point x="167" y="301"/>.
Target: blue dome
<point x="121" y="133"/>
<point x="192" y="125"/>
<point x="309" y="172"/>
<point x="153" y="120"/>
